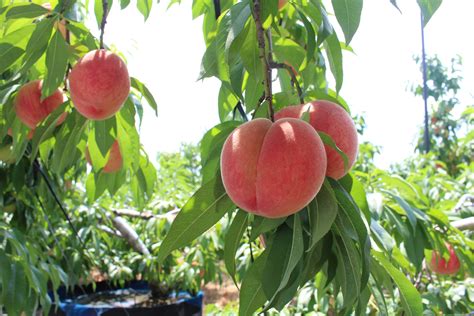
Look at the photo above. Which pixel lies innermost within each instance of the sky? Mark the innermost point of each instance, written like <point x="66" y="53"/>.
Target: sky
<point x="165" y="53"/>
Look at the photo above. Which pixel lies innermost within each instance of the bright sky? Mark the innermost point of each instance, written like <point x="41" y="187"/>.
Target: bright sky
<point x="165" y="53"/>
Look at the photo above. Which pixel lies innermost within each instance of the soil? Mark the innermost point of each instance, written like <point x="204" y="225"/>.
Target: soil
<point x="221" y="295"/>
<point x="124" y="298"/>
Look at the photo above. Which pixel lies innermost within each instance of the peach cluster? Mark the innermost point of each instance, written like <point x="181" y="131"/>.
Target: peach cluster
<point x="99" y="84"/>
<point x="274" y="169"/>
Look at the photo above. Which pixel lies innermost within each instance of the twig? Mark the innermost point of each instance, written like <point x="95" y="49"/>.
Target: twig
<point x="418" y="279"/>
<point x="267" y="71"/>
<point x="105" y="9"/>
<point x="294" y="81"/>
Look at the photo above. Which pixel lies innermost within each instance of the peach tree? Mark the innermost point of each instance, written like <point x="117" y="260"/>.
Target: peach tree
<point x="66" y="99"/>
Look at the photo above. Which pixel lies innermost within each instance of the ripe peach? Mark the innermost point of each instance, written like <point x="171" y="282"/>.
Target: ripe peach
<point x="273" y="169"/>
<point x="115" y="161"/>
<point x="332" y="119"/>
<point x="31" y="110"/>
<point x="99" y="84"/>
<point x="439" y="265"/>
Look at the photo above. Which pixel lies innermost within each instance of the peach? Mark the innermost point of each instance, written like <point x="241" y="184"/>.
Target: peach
<point x="332" y="119"/>
<point x="273" y="169"/>
<point x="115" y="161"/>
<point x="439" y="265"/>
<point x="99" y="84"/>
<point x="31" y="110"/>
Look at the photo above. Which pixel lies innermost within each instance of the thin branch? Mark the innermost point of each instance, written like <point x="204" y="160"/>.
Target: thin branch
<point x="105" y="12"/>
<point x="464" y="224"/>
<point x="147" y="214"/>
<point x="294" y="81"/>
<point x="267" y="71"/>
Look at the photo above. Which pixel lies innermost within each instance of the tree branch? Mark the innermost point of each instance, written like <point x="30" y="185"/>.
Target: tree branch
<point x="105" y="12"/>
<point x="464" y="224"/>
<point x="129" y="234"/>
<point x="267" y="71"/>
<point x="294" y="81"/>
<point x="147" y="214"/>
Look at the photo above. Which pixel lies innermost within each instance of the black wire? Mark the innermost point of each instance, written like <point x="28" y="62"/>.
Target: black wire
<point x="58" y="202"/>
<point x="239" y="107"/>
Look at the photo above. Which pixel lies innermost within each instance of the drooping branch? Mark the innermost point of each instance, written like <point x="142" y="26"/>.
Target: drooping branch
<point x="146" y="214"/>
<point x="129" y="234"/>
<point x="105" y="12"/>
<point x="294" y="81"/>
<point x="267" y="71"/>
<point x="464" y="224"/>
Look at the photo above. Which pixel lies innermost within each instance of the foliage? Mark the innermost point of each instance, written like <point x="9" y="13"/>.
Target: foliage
<point x="349" y="253"/>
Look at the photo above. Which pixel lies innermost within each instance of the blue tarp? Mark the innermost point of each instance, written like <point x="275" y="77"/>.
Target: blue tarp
<point x="70" y="307"/>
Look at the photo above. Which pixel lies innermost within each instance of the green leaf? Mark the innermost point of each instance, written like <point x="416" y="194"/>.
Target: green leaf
<point x="428" y="8"/>
<point x="8" y="55"/>
<point x="348" y="268"/>
<point x="137" y="84"/>
<point x="205" y="208"/>
<point x="263" y="225"/>
<point x="215" y="138"/>
<point x="322" y="212"/>
<point x="38" y="42"/>
<point x="325" y="28"/>
<point x="409" y="296"/>
<point x="99" y="10"/>
<point x="310" y="35"/>
<point x="334" y="53"/>
<point x="252" y="296"/>
<point x="46" y="128"/>
<point x="105" y="134"/>
<point x="284" y="254"/>
<point x="239" y="15"/>
<point x="29" y="10"/>
<point x="348" y="15"/>
<point x="382" y="236"/>
<point x="250" y="55"/>
<point x="232" y="241"/>
<point x="56" y="64"/>
<point x="352" y="215"/>
<point x="226" y="101"/>
<point x="124" y="4"/>
<point x="144" y="6"/>
<point x="65" y="149"/>
<point x="327" y="140"/>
